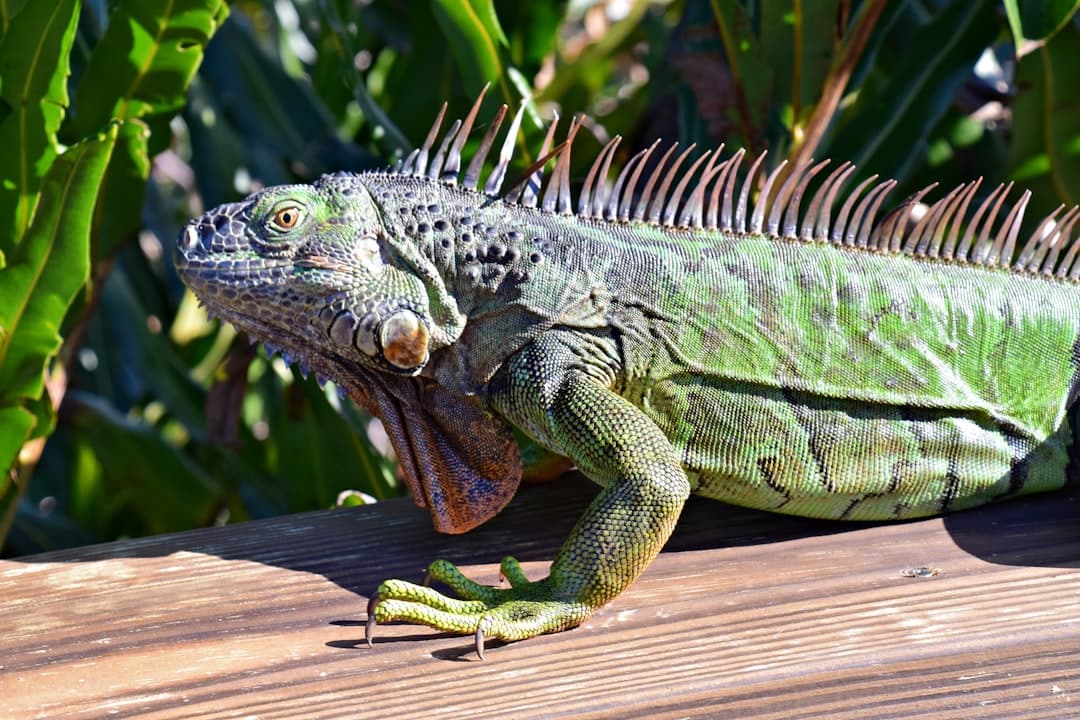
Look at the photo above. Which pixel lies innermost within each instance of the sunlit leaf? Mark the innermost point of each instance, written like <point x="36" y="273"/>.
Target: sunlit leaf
<point x="36" y="288"/>
<point x="1045" y="154"/>
<point x="145" y="61"/>
<point x="49" y="267"/>
<point x="1038" y="19"/>
<point x="33" y="98"/>
<point x="472" y="39"/>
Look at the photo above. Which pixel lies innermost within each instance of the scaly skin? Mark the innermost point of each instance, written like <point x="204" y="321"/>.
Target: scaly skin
<point x="805" y="377"/>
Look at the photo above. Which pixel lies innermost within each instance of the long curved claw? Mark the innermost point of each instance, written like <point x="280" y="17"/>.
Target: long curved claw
<point x="480" y="641"/>
<point x="369" y="626"/>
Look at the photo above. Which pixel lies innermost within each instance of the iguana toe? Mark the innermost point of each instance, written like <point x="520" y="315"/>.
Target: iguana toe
<point x="524" y="610"/>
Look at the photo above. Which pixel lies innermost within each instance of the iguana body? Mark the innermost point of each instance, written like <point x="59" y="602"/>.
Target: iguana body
<point x="790" y="355"/>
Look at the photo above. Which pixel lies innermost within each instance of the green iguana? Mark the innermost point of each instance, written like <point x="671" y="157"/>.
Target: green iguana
<point x="669" y="335"/>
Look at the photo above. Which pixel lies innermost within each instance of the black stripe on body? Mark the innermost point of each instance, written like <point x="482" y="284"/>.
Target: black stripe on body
<point x="952" y="486"/>
<point x="814" y="438"/>
<point x="767" y="468"/>
<point x="1020" y="462"/>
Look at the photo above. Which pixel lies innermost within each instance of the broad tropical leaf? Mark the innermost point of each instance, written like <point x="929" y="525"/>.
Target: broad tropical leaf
<point x="33" y="97"/>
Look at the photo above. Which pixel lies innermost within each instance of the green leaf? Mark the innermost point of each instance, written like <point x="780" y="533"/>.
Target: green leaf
<point x="1038" y="19"/>
<point x="145" y="62"/>
<point x="750" y="75"/>
<point x="33" y="97"/>
<point x="117" y="217"/>
<point x="485" y="11"/>
<point x="911" y="85"/>
<point x="1045" y="153"/>
<point x="49" y="267"/>
<point x="144" y="479"/>
<point x="319" y="451"/>
<point x="8" y="10"/>
<point x="474" y="39"/>
<point x="16" y="424"/>
<point x="799" y="40"/>
<point x="251" y="110"/>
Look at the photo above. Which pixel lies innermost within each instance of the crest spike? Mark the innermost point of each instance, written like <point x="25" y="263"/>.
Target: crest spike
<point x="693" y="209"/>
<point x="656" y="207"/>
<point x="554" y="189"/>
<point x="646" y="194"/>
<point x="565" y="205"/>
<point x="531" y="191"/>
<point x="923" y="231"/>
<point x="476" y="165"/>
<point x="677" y="195"/>
<point x="859" y="229"/>
<point x="712" y="216"/>
<point x="948" y="249"/>
<point x="1065" y="269"/>
<point x="826" y="196"/>
<point x="902" y="220"/>
<point x="983" y="247"/>
<point x="517" y="190"/>
<point x="1038" y="242"/>
<point x="585" y="196"/>
<point x="498" y="173"/>
<point x="836" y="234"/>
<point x="453" y="160"/>
<point x="970" y="248"/>
<point x="436" y="162"/>
<point x="938" y="234"/>
<point x="618" y="195"/>
<point x="758" y="218"/>
<point x="1005" y="242"/>
<point x="744" y="195"/>
<point x="1061" y="240"/>
<point x="1055" y="233"/>
<point x="726" y="222"/>
<point x="791" y="212"/>
<point x="420" y="166"/>
<point x="601" y="182"/>
<point x="406" y="168"/>
<point x="626" y="202"/>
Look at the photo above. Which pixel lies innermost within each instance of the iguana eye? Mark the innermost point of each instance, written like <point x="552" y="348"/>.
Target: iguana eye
<point x="287" y="217"/>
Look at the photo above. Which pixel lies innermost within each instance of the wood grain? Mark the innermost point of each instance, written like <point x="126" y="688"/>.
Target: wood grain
<point x="744" y="615"/>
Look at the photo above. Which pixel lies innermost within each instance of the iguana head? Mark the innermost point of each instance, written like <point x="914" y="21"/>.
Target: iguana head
<point x="313" y="272"/>
<point x="309" y="269"/>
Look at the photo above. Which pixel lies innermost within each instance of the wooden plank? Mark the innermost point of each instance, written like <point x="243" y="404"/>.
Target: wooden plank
<point x="745" y="615"/>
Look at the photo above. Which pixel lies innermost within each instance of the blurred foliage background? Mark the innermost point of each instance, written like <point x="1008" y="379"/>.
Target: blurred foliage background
<point x="124" y="411"/>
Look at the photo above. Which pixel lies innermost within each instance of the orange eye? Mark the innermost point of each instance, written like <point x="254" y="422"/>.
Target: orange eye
<point x="287" y="217"/>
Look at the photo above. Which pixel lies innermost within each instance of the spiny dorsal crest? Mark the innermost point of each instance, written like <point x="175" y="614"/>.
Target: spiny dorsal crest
<point x="709" y="195"/>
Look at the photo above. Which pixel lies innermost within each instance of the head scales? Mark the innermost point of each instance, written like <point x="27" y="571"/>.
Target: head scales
<point x="713" y="196"/>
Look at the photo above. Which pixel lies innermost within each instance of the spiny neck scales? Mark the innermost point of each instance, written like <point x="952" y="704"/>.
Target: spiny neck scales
<point x="706" y="193"/>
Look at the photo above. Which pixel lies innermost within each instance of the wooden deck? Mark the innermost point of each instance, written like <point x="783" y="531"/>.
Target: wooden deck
<point x="745" y="615"/>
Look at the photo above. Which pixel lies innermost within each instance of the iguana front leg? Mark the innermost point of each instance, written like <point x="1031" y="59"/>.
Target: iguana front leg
<point x="620" y="533"/>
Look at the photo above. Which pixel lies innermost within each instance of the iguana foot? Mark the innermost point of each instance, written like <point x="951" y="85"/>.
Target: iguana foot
<point x="523" y="610"/>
